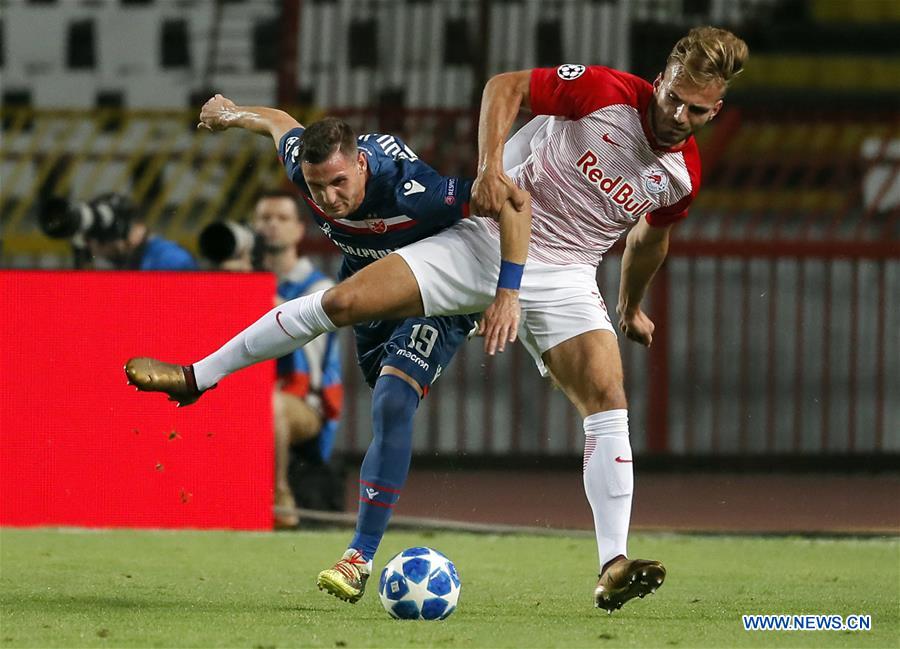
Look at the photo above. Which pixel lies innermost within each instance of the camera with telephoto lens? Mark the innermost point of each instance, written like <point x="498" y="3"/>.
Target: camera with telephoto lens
<point x="221" y="241"/>
<point x="105" y="218"/>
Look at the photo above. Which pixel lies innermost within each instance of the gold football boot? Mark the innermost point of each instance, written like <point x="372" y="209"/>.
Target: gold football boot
<point x="151" y="375"/>
<point x="346" y="580"/>
<point x="626" y="579"/>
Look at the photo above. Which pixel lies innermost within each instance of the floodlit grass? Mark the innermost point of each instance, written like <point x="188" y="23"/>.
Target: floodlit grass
<point x="63" y="588"/>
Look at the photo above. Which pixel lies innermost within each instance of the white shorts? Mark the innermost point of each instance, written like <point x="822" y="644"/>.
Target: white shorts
<point x="457" y="272"/>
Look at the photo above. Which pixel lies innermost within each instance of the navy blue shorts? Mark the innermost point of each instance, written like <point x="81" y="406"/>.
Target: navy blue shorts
<point x="419" y="347"/>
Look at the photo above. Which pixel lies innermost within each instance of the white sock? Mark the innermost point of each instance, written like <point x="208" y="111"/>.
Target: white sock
<point x="609" y="480"/>
<point x="282" y="330"/>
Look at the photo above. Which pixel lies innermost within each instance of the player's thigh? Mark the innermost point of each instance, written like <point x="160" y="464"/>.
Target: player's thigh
<point x="303" y="421"/>
<point x="456" y="269"/>
<point x="382" y="290"/>
<point x="560" y="303"/>
<point x="420" y="348"/>
<point x="371" y="338"/>
<point x="588" y="369"/>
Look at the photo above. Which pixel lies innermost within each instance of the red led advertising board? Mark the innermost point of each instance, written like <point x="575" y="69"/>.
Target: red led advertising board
<point x="80" y="447"/>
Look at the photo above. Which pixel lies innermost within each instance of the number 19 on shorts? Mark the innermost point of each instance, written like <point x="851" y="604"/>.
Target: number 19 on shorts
<point x="423" y="338"/>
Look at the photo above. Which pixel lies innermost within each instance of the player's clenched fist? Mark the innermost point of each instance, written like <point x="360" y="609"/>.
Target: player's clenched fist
<point x="490" y="192"/>
<point x="217" y="114"/>
<point x="637" y="326"/>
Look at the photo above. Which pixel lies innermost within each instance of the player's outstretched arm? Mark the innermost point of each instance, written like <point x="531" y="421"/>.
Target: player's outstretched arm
<point x="645" y="250"/>
<point x="503" y="95"/>
<point x="220" y="113"/>
<point x="501" y="319"/>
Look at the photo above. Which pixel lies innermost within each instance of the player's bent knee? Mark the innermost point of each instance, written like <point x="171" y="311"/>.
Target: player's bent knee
<point x="600" y="398"/>
<point x="590" y="398"/>
<point x="303" y="421"/>
<point x="615" y="397"/>
<point x="387" y="409"/>
<point x="340" y="303"/>
<point x="394" y="404"/>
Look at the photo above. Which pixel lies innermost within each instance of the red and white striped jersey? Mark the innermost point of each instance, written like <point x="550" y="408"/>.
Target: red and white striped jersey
<point x="592" y="165"/>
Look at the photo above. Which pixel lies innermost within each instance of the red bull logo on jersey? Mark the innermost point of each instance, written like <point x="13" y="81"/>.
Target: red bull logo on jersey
<point x="618" y="189"/>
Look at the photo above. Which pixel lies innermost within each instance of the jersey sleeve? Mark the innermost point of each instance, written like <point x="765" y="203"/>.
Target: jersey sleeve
<point x="289" y="154"/>
<point x="665" y="216"/>
<point x="678" y="211"/>
<point x="428" y="195"/>
<point x="574" y="91"/>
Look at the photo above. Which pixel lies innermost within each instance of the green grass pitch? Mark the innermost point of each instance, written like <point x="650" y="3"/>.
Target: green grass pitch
<point x="79" y="588"/>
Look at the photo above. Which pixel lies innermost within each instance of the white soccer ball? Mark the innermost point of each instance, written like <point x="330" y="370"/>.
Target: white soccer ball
<point x="419" y="584"/>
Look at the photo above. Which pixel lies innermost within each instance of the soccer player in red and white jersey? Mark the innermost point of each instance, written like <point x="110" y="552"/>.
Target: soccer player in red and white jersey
<point x="608" y="153"/>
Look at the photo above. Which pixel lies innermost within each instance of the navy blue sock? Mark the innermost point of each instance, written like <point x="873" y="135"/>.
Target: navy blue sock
<point x="386" y="464"/>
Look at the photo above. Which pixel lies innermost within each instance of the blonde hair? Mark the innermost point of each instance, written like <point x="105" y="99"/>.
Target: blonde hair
<point x="710" y="55"/>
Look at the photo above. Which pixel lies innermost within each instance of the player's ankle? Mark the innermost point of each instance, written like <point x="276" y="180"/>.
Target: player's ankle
<point x="615" y="559"/>
<point x="189" y="378"/>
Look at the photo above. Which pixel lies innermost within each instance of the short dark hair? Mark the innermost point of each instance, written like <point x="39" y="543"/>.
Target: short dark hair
<point x="281" y="193"/>
<point x="322" y="138"/>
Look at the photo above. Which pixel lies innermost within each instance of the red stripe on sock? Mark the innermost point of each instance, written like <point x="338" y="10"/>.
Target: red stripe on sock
<point x="376" y="503"/>
<point x="378" y="486"/>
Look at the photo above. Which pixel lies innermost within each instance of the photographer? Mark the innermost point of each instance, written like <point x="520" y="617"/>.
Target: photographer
<point x="308" y="396"/>
<point x="107" y="235"/>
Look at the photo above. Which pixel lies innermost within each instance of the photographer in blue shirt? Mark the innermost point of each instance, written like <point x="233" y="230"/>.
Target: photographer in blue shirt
<point x="106" y="234"/>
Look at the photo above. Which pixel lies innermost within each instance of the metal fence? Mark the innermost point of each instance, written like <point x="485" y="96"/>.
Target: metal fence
<point x="762" y="353"/>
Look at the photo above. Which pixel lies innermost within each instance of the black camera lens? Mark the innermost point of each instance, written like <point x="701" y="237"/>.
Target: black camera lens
<point x="218" y="242"/>
<point x="59" y="220"/>
<point x="106" y="218"/>
<point x="222" y="241"/>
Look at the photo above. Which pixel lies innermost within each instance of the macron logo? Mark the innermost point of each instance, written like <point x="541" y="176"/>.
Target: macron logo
<point x="411" y="187"/>
<point x="371" y="493"/>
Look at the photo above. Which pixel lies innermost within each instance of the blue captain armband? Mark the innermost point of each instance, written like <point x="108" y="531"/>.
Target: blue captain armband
<point x="510" y="275"/>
